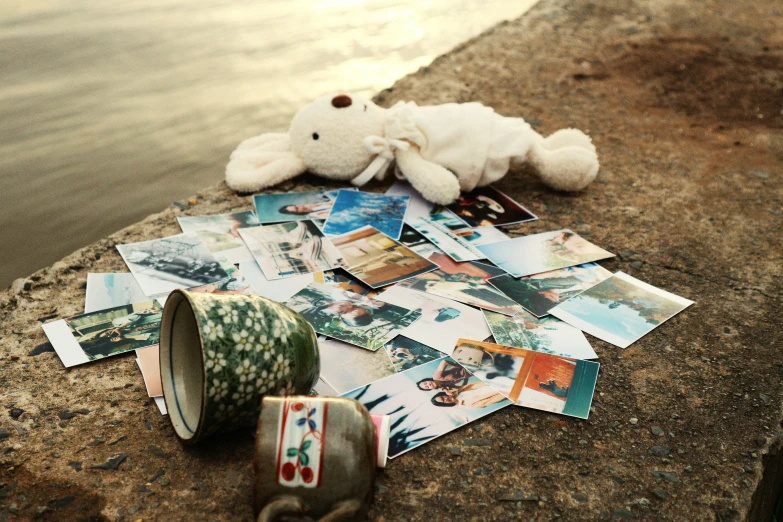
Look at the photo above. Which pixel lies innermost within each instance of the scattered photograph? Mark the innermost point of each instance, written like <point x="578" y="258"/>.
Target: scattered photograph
<point x="345" y="281"/>
<point x="620" y="309"/>
<point x="345" y="367"/>
<point x="539" y="293"/>
<point x="416" y="242"/>
<point x="378" y="260"/>
<point x="442" y="321"/>
<point x="88" y="337"/>
<point x="278" y="290"/>
<point x="465" y="283"/>
<point x="162" y="265"/>
<point x="148" y="360"/>
<point x="406" y="353"/>
<point x="293" y="206"/>
<point x="428" y="401"/>
<point x="527" y="255"/>
<point x="220" y="234"/>
<point x="235" y="283"/>
<point x="355" y="209"/>
<point x="481" y="235"/>
<point x="545" y="334"/>
<point x="351" y="317"/>
<point x="455" y="247"/>
<point x="447" y="218"/>
<point x="487" y="206"/>
<point x="417" y="205"/>
<point x="532" y="379"/>
<point x="111" y="290"/>
<point x="290" y="249"/>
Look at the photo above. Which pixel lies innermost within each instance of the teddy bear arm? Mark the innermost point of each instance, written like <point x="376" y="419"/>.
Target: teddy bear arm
<point x="435" y="182"/>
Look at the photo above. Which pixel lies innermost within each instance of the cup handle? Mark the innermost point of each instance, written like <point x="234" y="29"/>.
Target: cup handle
<point x="280" y="506"/>
<point x="341" y="510"/>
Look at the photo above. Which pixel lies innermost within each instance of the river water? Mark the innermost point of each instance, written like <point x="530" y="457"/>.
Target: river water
<point x="110" y="111"/>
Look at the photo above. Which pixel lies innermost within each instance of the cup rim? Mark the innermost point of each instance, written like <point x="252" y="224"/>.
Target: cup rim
<point x="176" y="298"/>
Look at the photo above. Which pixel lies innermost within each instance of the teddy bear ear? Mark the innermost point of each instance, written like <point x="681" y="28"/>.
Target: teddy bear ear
<point x="251" y="170"/>
<point x="341" y="101"/>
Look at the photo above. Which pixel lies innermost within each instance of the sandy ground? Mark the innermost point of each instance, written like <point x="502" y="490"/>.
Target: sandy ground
<point x="684" y="103"/>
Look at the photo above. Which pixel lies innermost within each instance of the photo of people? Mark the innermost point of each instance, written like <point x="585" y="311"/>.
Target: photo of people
<point x="351" y="317"/>
<point x="355" y="209"/>
<point x="111" y="290"/>
<point x="532" y="379"/>
<point x="293" y="206"/>
<point x="455" y="247"/>
<point x="290" y="249"/>
<point x="539" y="293"/>
<point x="442" y="321"/>
<point x="219" y="233"/>
<point x="545" y="334"/>
<point x="378" y="260"/>
<point x="345" y="281"/>
<point x="481" y="235"/>
<point x="465" y="283"/>
<point x="428" y="401"/>
<point x="87" y="337"/>
<point x="161" y="265"/>
<point x="406" y="353"/>
<point x="487" y="206"/>
<point x="528" y="255"/>
<point x="620" y="309"/>
<point x="345" y="367"/>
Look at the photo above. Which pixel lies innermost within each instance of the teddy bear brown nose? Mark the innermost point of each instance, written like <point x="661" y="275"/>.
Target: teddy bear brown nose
<point x="341" y="101"/>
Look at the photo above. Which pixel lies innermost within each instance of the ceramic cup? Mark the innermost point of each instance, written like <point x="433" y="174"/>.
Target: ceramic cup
<point x="314" y="456"/>
<point x="220" y="354"/>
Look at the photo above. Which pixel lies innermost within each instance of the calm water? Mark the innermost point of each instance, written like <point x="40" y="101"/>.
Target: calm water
<point x="110" y="111"/>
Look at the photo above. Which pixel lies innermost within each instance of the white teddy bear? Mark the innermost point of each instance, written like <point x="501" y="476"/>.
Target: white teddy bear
<point x="439" y="149"/>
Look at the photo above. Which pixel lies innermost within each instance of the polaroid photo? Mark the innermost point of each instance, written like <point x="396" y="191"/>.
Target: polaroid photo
<point x="278" y="290"/>
<point x="418" y="243"/>
<point x="406" y="353"/>
<point x="428" y="401"/>
<point x="539" y="293"/>
<point x="442" y="321"/>
<point x="355" y="209"/>
<point x="417" y="205"/>
<point x="293" y="206"/>
<point x="89" y="337"/>
<point x="111" y="290"/>
<point x="487" y="206"/>
<point x="290" y="249"/>
<point x="465" y="283"/>
<point x="480" y="235"/>
<point x="220" y="234"/>
<point x="620" y="310"/>
<point x="378" y="260"/>
<point x="148" y="360"/>
<point x="163" y="265"/>
<point x="528" y="255"/>
<point x="532" y="379"/>
<point x="350" y="317"/>
<point x="545" y="335"/>
<point x="345" y="367"/>
<point x="455" y="247"/>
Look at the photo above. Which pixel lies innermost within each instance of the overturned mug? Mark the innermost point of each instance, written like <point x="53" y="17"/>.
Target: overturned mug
<point x="219" y="354"/>
<point x="314" y="456"/>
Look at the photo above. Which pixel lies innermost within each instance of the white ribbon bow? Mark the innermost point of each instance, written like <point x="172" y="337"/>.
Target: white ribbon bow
<point x="383" y="148"/>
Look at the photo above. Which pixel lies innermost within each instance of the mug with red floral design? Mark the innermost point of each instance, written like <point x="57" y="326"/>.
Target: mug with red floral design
<point x="314" y="456"/>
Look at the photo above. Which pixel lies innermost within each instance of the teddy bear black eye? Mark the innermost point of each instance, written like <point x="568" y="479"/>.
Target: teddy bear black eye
<point x="315" y="135"/>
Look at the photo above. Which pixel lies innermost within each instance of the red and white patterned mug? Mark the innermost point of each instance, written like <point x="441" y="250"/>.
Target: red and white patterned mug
<point x="314" y="456"/>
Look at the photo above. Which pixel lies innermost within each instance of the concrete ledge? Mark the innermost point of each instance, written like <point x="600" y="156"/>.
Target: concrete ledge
<point x="683" y="101"/>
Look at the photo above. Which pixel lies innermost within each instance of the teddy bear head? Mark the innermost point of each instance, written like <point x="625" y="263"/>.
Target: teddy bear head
<point x="328" y="135"/>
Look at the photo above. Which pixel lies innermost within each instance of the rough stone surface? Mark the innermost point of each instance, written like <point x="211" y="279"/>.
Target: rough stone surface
<point x="684" y="103"/>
